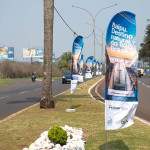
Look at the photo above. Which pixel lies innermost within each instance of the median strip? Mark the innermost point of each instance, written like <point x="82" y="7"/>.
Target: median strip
<point x="26" y="127"/>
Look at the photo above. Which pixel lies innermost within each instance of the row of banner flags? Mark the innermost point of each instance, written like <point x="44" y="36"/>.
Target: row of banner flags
<point x="121" y="92"/>
<point x="77" y="64"/>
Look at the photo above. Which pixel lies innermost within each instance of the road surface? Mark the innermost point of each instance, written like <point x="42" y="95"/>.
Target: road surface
<point x="143" y="109"/>
<point x="24" y="93"/>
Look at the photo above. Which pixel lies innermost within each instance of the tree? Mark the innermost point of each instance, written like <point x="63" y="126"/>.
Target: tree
<point x="145" y="46"/>
<point x="65" y="62"/>
<point x="46" y="100"/>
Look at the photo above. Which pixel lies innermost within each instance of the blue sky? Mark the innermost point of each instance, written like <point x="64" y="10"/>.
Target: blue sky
<point x="21" y="23"/>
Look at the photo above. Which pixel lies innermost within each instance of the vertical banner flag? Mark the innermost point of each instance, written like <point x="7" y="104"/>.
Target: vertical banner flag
<point x="100" y="66"/>
<point x="121" y="93"/>
<point x="53" y="58"/>
<point x="88" y="70"/>
<point x="6" y="53"/>
<point x="76" y="55"/>
<point x="93" y="66"/>
<point x="80" y="79"/>
<point x="97" y="68"/>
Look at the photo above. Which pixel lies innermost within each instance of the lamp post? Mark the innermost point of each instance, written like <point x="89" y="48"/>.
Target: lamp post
<point x="94" y="18"/>
<point x="102" y="36"/>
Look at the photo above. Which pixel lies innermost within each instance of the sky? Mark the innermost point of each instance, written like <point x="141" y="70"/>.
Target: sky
<point x="22" y="23"/>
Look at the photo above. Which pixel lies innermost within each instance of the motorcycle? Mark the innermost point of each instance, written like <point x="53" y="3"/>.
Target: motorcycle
<point x="33" y="78"/>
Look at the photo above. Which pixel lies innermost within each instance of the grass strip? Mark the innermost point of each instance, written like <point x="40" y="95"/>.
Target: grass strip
<point x="23" y="129"/>
<point x="4" y="82"/>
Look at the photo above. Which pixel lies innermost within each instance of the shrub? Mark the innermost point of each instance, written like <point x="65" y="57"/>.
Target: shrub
<point x="57" y="135"/>
<point x="11" y="69"/>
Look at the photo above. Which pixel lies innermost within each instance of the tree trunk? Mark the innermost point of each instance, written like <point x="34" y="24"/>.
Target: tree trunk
<point x="46" y="100"/>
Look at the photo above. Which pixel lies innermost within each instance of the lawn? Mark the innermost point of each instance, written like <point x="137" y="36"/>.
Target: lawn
<point x="5" y="82"/>
<point x="20" y="131"/>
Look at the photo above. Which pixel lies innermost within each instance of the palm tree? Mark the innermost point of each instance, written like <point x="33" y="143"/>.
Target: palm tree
<point x="46" y="100"/>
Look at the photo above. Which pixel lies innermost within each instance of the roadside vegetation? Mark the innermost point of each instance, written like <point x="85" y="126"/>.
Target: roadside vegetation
<point x="65" y="61"/>
<point x="10" y="69"/>
<point x="22" y="130"/>
<point x="4" y="82"/>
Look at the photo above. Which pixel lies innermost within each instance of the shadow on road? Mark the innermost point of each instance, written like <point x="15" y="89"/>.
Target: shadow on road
<point x="115" y="145"/>
<point x="27" y="100"/>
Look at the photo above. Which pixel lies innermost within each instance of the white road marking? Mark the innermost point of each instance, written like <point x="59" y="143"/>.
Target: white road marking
<point x="148" y="86"/>
<point x="4" y="97"/>
<point x="138" y="118"/>
<point x="89" y="90"/>
<point x="98" y="93"/>
<point x="23" y="92"/>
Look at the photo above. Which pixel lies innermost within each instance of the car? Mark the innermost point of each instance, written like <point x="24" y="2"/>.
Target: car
<point x="66" y="78"/>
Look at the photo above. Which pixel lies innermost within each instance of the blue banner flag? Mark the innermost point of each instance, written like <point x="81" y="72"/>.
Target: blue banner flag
<point x="97" y="68"/>
<point x="121" y="93"/>
<point x="53" y="58"/>
<point x="80" y="79"/>
<point x="88" y="70"/>
<point x="76" y="55"/>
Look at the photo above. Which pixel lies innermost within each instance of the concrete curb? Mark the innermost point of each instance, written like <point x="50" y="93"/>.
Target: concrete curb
<point x="17" y="113"/>
<point x="137" y="118"/>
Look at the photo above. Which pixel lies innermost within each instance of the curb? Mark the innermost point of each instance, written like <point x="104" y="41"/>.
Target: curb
<point x="17" y="113"/>
<point x="137" y="118"/>
<point x="89" y="90"/>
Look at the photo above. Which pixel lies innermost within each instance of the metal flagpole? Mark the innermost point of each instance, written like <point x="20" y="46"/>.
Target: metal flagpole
<point x="70" y="100"/>
<point x="106" y="139"/>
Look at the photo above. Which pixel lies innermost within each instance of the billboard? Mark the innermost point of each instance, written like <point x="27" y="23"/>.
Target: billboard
<point x="6" y="53"/>
<point x="121" y="93"/>
<point x="32" y="52"/>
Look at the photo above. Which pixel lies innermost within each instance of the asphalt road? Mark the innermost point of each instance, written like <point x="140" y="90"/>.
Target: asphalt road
<point x="24" y="93"/>
<point x="143" y="109"/>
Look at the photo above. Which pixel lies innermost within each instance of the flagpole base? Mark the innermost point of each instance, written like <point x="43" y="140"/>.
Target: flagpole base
<point x="70" y="110"/>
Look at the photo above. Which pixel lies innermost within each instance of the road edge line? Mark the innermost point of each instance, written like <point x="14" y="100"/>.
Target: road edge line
<point x="89" y="90"/>
<point x="137" y="118"/>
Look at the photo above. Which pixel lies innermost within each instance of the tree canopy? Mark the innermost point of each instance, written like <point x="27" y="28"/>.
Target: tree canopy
<point x="65" y="62"/>
<point x="145" y="46"/>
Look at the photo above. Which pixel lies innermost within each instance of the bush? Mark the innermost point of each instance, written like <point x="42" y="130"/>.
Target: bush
<point x="11" y="69"/>
<point x="57" y="135"/>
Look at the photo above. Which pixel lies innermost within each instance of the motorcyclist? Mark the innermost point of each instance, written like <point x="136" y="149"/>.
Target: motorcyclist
<point x="33" y="77"/>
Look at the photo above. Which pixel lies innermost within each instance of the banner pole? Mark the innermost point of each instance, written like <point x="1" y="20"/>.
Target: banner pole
<point x="70" y="99"/>
<point x="106" y="139"/>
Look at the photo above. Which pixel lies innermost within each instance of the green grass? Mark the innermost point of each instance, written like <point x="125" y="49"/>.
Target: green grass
<point x="4" y="82"/>
<point x="53" y="78"/>
<point x="56" y="78"/>
<point x="23" y="129"/>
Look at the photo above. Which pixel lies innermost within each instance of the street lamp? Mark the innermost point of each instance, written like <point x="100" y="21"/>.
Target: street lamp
<point x="94" y="18"/>
<point x="102" y="36"/>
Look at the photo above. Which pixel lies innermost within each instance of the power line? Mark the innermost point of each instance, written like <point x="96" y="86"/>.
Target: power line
<point x="70" y="27"/>
<point x="65" y="21"/>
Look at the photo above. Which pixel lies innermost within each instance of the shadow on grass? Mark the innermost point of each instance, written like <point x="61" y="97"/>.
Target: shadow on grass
<point x="119" y="145"/>
<point x="69" y="97"/>
<point x="75" y="106"/>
